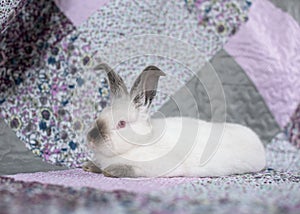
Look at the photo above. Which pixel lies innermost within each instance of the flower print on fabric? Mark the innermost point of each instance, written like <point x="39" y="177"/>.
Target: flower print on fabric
<point x="48" y="93"/>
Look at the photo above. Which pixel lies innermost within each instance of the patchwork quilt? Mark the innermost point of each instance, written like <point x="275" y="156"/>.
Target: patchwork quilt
<point x="50" y="95"/>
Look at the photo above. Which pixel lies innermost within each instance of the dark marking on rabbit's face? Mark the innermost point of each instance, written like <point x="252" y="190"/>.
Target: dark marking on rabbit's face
<point x="99" y="133"/>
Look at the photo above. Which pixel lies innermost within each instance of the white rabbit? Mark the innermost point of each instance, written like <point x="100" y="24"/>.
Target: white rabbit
<point x="126" y="142"/>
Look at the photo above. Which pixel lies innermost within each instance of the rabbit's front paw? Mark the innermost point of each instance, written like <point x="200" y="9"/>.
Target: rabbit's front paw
<point x="119" y="171"/>
<point x="91" y="167"/>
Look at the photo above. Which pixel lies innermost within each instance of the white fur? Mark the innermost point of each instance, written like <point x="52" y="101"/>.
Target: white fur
<point x="170" y="146"/>
<point x="239" y="150"/>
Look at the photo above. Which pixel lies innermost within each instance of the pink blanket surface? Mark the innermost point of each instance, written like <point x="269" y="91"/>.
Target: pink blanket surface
<point x="77" y="10"/>
<point x="78" y="178"/>
<point x="268" y="49"/>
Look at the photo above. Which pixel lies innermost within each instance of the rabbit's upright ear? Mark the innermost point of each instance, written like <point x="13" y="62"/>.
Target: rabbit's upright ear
<point x="144" y="88"/>
<point x="117" y="86"/>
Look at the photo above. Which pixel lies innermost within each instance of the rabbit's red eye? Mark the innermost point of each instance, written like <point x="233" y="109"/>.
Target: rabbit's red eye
<point x="121" y="124"/>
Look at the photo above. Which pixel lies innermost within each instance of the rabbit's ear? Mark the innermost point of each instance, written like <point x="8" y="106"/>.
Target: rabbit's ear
<point x="117" y="86"/>
<point x="144" y="88"/>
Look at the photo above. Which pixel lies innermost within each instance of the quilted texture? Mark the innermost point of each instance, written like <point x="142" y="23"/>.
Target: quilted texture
<point x="16" y="158"/>
<point x="78" y="178"/>
<point x="268" y="191"/>
<point x="292" y="7"/>
<point x="67" y="58"/>
<point x="56" y="99"/>
<point x="79" y="11"/>
<point x="244" y="104"/>
<point x="268" y="49"/>
<point x="24" y="44"/>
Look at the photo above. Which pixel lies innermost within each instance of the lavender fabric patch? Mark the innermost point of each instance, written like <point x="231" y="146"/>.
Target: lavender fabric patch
<point x="268" y="49"/>
<point x="79" y="11"/>
<point x="78" y="178"/>
<point x="266" y="192"/>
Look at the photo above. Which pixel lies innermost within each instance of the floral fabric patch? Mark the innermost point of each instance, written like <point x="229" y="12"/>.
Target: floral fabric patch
<point x="8" y="10"/>
<point x="48" y="93"/>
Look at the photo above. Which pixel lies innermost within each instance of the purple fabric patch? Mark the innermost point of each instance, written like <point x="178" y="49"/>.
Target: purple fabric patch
<point x="268" y="48"/>
<point x="269" y="191"/>
<point x="79" y="178"/>
<point x="77" y="10"/>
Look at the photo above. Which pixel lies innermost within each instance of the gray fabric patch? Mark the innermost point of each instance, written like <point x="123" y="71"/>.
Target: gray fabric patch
<point x="291" y="6"/>
<point x="16" y="158"/>
<point x="244" y="103"/>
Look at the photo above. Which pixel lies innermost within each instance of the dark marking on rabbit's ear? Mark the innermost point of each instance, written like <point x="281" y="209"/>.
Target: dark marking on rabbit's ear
<point x="99" y="132"/>
<point x="116" y="83"/>
<point x="144" y="88"/>
<point x="136" y="83"/>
